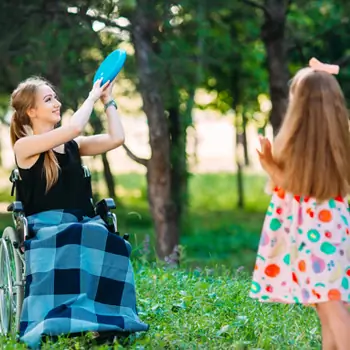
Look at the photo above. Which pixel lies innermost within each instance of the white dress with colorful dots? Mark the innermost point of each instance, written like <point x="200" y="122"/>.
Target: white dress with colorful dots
<point x="304" y="251"/>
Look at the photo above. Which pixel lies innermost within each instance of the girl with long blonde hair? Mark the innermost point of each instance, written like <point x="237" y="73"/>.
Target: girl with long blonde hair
<point x="304" y="250"/>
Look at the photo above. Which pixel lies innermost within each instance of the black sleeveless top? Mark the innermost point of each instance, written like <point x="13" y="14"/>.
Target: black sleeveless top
<point x="72" y="191"/>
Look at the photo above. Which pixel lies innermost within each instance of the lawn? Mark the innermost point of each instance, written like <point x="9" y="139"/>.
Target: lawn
<point x="215" y="231"/>
<point x="204" y="304"/>
<point x="206" y="310"/>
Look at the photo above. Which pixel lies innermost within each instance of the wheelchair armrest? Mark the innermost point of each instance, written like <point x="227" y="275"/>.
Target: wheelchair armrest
<point x="15" y="207"/>
<point x="103" y="209"/>
<point x="104" y="206"/>
<point x="19" y="219"/>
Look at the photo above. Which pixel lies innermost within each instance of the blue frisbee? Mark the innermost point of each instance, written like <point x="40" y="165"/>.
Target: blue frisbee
<point x="110" y="66"/>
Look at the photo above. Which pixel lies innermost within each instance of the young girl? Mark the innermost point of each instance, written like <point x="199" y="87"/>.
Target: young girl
<point x="304" y="251"/>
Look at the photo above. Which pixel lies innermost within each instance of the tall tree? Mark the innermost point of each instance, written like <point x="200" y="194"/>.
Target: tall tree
<point x="273" y="35"/>
<point x="173" y="70"/>
<point x="144" y="30"/>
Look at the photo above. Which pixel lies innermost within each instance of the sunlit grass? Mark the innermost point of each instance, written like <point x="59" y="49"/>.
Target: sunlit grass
<point x="204" y="309"/>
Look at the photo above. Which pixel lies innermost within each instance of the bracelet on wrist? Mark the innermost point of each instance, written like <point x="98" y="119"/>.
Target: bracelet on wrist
<point x="110" y="103"/>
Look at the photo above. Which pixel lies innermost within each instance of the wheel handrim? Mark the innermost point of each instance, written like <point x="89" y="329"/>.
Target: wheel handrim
<point x="6" y="289"/>
<point x="12" y="258"/>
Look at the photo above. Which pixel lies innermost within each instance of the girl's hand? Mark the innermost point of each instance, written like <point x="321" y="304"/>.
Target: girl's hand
<point x="276" y="174"/>
<point x="97" y="90"/>
<point x="265" y="155"/>
<point x="106" y="95"/>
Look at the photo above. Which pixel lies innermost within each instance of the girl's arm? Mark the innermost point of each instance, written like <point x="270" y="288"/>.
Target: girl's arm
<point x="268" y="163"/>
<point x="97" y="144"/>
<point x="275" y="173"/>
<point x="32" y="145"/>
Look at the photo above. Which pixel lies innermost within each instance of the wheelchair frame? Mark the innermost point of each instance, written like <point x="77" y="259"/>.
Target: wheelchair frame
<point x="12" y="263"/>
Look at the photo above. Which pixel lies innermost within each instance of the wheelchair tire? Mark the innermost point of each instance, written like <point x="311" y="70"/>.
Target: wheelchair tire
<point x="10" y="244"/>
<point x="6" y="292"/>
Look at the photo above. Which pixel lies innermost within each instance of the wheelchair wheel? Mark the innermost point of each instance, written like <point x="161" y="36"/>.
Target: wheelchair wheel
<point x="11" y="280"/>
<point x="6" y="292"/>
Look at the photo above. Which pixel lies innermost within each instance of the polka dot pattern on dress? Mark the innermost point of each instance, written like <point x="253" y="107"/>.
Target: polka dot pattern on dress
<point x="304" y="251"/>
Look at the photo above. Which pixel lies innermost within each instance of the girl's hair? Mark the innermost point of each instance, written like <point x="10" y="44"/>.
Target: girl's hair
<point x="313" y="144"/>
<point x="22" y="99"/>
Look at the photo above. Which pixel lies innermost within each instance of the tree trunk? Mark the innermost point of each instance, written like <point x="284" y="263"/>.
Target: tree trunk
<point x="177" y="171"/>
<point x="162" y="207"/>
<point x="107" y="172"/>
<point x="240" y="129"/>
<point x="245" y="139"/>
<point x="240" y="189"/>
<point x="273" y="36"/>
<point x="240" y="175"/>
<point x="179" y="174"/>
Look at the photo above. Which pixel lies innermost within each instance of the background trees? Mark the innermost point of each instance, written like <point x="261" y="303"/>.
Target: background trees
<point x="238" y="52"/>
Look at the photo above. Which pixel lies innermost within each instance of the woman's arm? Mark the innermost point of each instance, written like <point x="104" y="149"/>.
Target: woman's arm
<point x="97" y="144"/>
<point x="29" y="146"/>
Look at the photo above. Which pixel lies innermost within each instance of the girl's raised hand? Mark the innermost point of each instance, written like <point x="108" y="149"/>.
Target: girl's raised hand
<point x="106" y="95"/>
<point x="265" y="154"/>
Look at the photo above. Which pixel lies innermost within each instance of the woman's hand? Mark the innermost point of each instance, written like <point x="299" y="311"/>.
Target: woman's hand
<point x="97" y="90"/>
<point x="106" y="95"/>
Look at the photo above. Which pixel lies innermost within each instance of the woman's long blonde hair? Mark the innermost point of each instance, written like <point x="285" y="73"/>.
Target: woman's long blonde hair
<point x="313" y="144"/>
<point x="22" y="99"/>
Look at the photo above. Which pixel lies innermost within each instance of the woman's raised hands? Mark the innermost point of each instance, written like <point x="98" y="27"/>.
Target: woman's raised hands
<point x="97" y="90"/>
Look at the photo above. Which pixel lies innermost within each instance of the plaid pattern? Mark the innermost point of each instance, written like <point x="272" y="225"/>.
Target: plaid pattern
<point x="78" y="278"/>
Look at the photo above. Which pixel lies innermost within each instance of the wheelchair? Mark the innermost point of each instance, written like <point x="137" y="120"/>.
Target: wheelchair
<point x="12" y="263"/>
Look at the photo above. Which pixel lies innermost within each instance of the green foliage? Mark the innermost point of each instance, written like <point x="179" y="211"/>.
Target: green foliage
<point x="57" y="44"/>
<point x="236" y="58"/>
<point x="319" y="28"/>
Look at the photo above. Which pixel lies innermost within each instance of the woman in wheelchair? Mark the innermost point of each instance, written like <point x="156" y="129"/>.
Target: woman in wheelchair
<point x="77" y="272"/>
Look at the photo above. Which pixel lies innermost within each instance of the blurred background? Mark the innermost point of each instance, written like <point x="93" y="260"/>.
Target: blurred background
<point x="202" y="79"/>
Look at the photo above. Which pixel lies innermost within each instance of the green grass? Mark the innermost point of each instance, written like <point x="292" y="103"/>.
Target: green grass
<point x="207" y="192"/>
<point x="215" y="232"/>
<point x="206" y="310"/>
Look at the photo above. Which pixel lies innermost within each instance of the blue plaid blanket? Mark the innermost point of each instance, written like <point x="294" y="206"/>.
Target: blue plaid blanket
<point x="78" y="278"/>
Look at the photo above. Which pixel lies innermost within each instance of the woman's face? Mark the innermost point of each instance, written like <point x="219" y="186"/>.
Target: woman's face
<point x="47" y="108"/>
